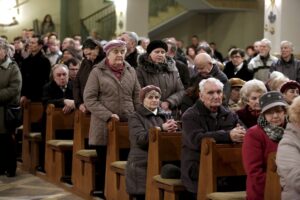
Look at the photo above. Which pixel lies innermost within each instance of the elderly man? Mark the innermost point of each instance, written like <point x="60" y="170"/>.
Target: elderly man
<point x="205" y="69"/>
<point x="287" y="64"/>
<point x="131" y="39"/>
<point x="206" y="118"/>
<point x="260" y="64"/>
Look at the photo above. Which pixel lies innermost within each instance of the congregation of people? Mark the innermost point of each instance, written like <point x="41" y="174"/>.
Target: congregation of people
<point x="248" y="96"/>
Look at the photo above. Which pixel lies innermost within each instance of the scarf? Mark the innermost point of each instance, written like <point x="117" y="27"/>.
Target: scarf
<point x="116" y="70"/>
<point x="274" y="132"/>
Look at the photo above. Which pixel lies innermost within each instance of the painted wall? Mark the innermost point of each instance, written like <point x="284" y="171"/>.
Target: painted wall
<point x="225" y="29"/>
<point x="28" y="12"/>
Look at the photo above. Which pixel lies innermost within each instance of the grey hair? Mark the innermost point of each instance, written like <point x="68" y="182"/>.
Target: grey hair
<point x="285" y="42"/>
<point x="211" y="80"/>
<point x="6" y="47"/>
<point x="57" y="66"/>
<point x="133" y="36"/>
<point x="266" y="42"/>
<point x="252" y="86"/>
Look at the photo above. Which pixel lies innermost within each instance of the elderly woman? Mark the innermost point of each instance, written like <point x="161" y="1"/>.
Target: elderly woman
<point x="250" y="94"/>
<point x="155" y="68"/>
<point x="112" y="90"/>
<point x="290" y="91"/>
<point x="288" y="155"/>
<point x="146" y="116"/>
<point x="10" y="88"/>
<point x="262" y="139"/>
<point x="234" y="99"/>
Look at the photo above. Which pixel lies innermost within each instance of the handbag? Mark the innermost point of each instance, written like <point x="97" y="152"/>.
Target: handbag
<point x="13" y="117"/>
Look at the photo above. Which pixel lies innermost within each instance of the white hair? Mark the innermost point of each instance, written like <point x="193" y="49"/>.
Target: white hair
<point x="211" y="80"/>
<point x="266" y="42"/>
<point x="288" y="43"/>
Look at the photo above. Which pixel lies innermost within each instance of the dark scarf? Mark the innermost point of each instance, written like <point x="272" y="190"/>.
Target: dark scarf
<point x="255" y="113"/>
<point x="117" y="72"/>
<point x="274" y="132"/>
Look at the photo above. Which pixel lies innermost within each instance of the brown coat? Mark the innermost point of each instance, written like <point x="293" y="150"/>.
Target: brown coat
<point x="105" y="95"/>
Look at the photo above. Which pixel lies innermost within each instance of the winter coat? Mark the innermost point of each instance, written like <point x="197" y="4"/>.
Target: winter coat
<point x="163" y="75"/>
<point x="261" y="70"/>
<point x="291" y="68"/>
<point x="246" y="117"/>
<point x="10" y="88"/>
<point x="35" y="74"/>
<point x="288" y="162"/>
<point x="105" y="95"/>
<point x="256" y="148"/>
<point x="243" y="73"/>
<point x="53" y="94"/>
<point x="197" y="123"/>
<point x="136" y="169"/>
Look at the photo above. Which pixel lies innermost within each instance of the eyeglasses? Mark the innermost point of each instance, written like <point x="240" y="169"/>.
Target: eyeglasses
<point x="272" y="111"/>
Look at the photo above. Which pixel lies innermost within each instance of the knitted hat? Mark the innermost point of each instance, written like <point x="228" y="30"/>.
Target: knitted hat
<point x="236" y="82"/>
<point x="270" y="100"/>
<point x="113" y="44"/>
<point x="148" y="89"/>
<point x="156" y="44"/>
<point x="289" y="85"/>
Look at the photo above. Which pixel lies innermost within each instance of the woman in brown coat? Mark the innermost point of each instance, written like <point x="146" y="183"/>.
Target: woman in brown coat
<point x="112" y="90"/>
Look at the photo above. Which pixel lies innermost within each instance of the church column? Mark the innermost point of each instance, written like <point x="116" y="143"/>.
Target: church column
<point x="281" y="23"/>
<point x="132" y="15"/>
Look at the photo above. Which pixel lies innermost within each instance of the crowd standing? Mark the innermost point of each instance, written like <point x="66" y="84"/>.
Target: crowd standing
<point x="242" y="98"/>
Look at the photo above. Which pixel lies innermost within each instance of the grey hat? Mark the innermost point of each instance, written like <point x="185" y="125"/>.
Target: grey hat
<point x="270" y="100"/>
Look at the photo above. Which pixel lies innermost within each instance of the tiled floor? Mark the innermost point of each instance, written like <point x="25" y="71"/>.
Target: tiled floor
<point x="26" y="186"/>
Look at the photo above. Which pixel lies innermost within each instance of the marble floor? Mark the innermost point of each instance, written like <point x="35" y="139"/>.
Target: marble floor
<point x="25" y="186"/>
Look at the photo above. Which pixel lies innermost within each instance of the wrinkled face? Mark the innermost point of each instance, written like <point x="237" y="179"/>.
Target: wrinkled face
<point x="253" y="100"/>
<point x="275" y="116"/>
<point x="264" y="49"/>
<point x="158" y="55"/>
<point x="236" y="59"/>
<point x="286" y="51"/>
<point x="130" y="44"/>
<point x="203" y="68"/>
<point x="73" y="69"/>
<point x="151" y="101"/>
<point x="116" y="56"/>
<point x="61" y="76"/>
<point x="290" y="94"/>
<point x="212" y="95"/>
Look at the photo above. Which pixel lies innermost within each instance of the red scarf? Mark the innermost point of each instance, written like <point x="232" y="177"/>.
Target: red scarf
<point x="116" y="70"/>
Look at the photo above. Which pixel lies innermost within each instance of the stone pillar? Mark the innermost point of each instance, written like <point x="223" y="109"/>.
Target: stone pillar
<point x="132" y="15"/>
<point x="281" y="23"/>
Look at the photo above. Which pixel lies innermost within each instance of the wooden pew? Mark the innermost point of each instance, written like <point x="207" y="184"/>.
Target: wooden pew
<point x="272" y="187"/>
<point x="32" y="113"/>
<point x="217" y="160"/>
<point x="83" y="159"/>
<point x="118" y="139"/>
<point x="163" y="147"/>
<point x="56" y="149"/>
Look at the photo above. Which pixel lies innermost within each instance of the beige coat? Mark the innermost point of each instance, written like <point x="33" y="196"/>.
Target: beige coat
<point x="105" y="95"/>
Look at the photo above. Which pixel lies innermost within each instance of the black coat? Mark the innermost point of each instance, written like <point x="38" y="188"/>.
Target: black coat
<point x="197" y="123"/>
<point x="243" y="73"/>
<point x="136" y="169"/>
<point x="35" y="74"/>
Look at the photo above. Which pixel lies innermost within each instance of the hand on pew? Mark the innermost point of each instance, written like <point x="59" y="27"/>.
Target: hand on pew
<point x="170" y="126"/>
<point x="237" y="134"/>
<point x="83" y="108"/>
<point x="115" y="116"/>
<point x="69" y="106"/>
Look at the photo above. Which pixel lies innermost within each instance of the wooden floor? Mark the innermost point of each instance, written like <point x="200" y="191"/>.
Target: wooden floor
<point x="26" y="186"/>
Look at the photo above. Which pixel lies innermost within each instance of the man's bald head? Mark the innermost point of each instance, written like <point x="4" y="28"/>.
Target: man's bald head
<point x="203" y="64"/>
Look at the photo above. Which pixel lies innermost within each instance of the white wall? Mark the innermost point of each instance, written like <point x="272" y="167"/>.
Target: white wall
<point x="33" y="9"/>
